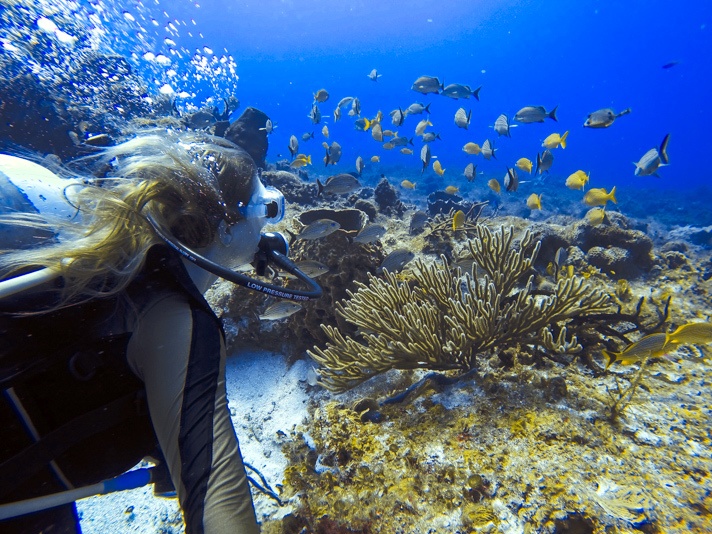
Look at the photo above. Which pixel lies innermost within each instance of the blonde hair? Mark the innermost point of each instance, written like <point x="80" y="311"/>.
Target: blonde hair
<point x="188" y="183"/>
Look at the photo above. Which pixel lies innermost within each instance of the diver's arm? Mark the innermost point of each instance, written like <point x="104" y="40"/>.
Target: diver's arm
<point x="179" y="353"/>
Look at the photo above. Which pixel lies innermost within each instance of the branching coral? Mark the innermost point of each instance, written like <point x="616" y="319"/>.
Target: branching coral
<point x="444" y="321"/>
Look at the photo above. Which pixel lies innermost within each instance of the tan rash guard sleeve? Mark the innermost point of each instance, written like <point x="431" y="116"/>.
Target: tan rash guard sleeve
<point x="178" y="351"/>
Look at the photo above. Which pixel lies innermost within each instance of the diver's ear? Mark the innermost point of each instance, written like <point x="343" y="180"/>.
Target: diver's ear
<point x="224" y="233"/>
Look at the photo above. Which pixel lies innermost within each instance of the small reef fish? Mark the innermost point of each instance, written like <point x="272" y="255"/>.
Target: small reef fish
<point x="300" y="161"/>
<point x="325" y="131"/>
<point x="389" y="133"/>
<point x="493" y="184"/>
<point x="653" y="159"/>
<point x="306" y="136"/>
<point x="425" y="157"/>
<point x="529" y="114"/>
<point x="312" y="268"/>
<point x="339" y="184"/>
<point x="456" y="90"/>
<point x="544" y="161"/>
<point x="370" y="233"/>
<point x="345" y="102"/>
<point x="360" y="165"/>
<point x="407" y="184"/>
<point x="318" y="229"/>
<point x="293" y="145"/>
<point x="555" y="140"/>
<point x="337" y="114"/>
<point x="650" y="346"/>
<point x="389" y="145"/>
<point x="577" y="180"/>
<point x="377" y="132"/>
<point x="428" y="137"/>
<point x="427" y="84"/>
<point x="603" y="118"/>
<point x="452" y="190"/>
<point x="692" y="334"/>
<point x="401" y="141"/>
<point x="487" y="150"/>
<point x="280" y="310"/>
<point x="315" y="114"/>
<point x="501" y="125"/>
<point x="595" y="216"/>
<point x="417" y="108"/>
<point x="333" y="153"/>
<point x="458" y="220"/>
<point x="472" y="148"/>
<point x="373" y="75"/>
<point x="422" y="125"/>
<point x="417" y="221"/>
<point x="525" y="164"/>
<point x="355" y="110"/>
<point x="375" y="159"/>
<point x="598" y="196"/>
<point x="397" y="116"/>
<point x="268" y="127"/>
<point x="322" y="95"/>
<point x="362" y="124"/>
<point x="462" y="118"/>
<point x="511" y="181"/>
<point x="396" y="260"/>
<point x="438" y="168"/>
<point x="470" y="171"/>
<point x="406" y="151"/>
<point x="534" y="201"/>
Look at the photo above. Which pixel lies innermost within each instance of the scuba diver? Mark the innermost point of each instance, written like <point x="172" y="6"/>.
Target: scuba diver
<point x="109" y="353"/>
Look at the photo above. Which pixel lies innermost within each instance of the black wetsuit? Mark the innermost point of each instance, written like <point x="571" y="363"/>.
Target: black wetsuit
<point x="94" y="387"/>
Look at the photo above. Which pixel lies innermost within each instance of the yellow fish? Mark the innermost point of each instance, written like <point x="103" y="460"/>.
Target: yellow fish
<point x="375" y="159"/>
<point x="406" y="151"/>
<point x="692" y="334"/>
<point x="595" y="216"/>
<point x="650" y="346"/>
<point x="577" y="180"/>
<point x="472" y="148"/>
<point x="599" y="197"/>
<point x="494" y="185"/>
<point x="407" y="184"/>
<point x="555" y="140"/>
<point x="534" y="202"/>
<point x="438" y="168"/>
<point x="451" y="190"/>
<point x="458" y="220"/>
<point x="525" y="165"/>
<point x="300" y="161"/>
<point x="325" y="131"/>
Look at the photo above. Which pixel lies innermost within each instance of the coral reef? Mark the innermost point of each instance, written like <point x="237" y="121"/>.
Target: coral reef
<point x="443" y="321"/>
<point x="387" y="199"/>
<point x="292" y="187"/>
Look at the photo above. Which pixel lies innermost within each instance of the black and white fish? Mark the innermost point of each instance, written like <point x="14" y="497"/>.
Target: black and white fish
<point x="501" y="125"/>
<point x="462" y="118"/>
<point x="280" y="310"/>
<point x="396" y="260"/>
<point x="653" y="159"/>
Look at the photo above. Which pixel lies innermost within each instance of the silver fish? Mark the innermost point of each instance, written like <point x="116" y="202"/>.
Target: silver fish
<point x="487" y="151"/>
<point x="312" y="268"/>
<point x="544" y="161"/>
<point x="339" y="184"/>
<point x="427" y="84"/>
<point x="501" y="125"/>
<point x="359" y="165"/>
<point x="396" y="260"/>
<point x="373" y="75"/>
<point x="293" y="145"/>
<point x="511" y="180"/>
<point x="306" y="136"/>
<point x="268" y="127"/>
<point x="470" y="171"/>
<point x="425" y="157"/>
<point x="603" y="118"/>
<point x="653" y="159"/>
<point x="397" y="116"/>
<point x="417" y="108"/>
<point x="462" y="118"/>
<point x="560" y="257"/>
<point x="422" y="125"/>
<point x="456" y="90"/>
<point x="280" y="310"/>
<point x="417" y="222"/>
<point x="429" y="137"/>
<point x="337" y="114"/>
<point x="315" y="114"/>
<point x="333" y="154"/>
<point x="377" y="132"/>
<point x="319" y="228"/>
<point x="531" y="114"/>
<point x="355" y="110"/>
<point x="345" y="101"/>
<point x="370" y="233"/>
